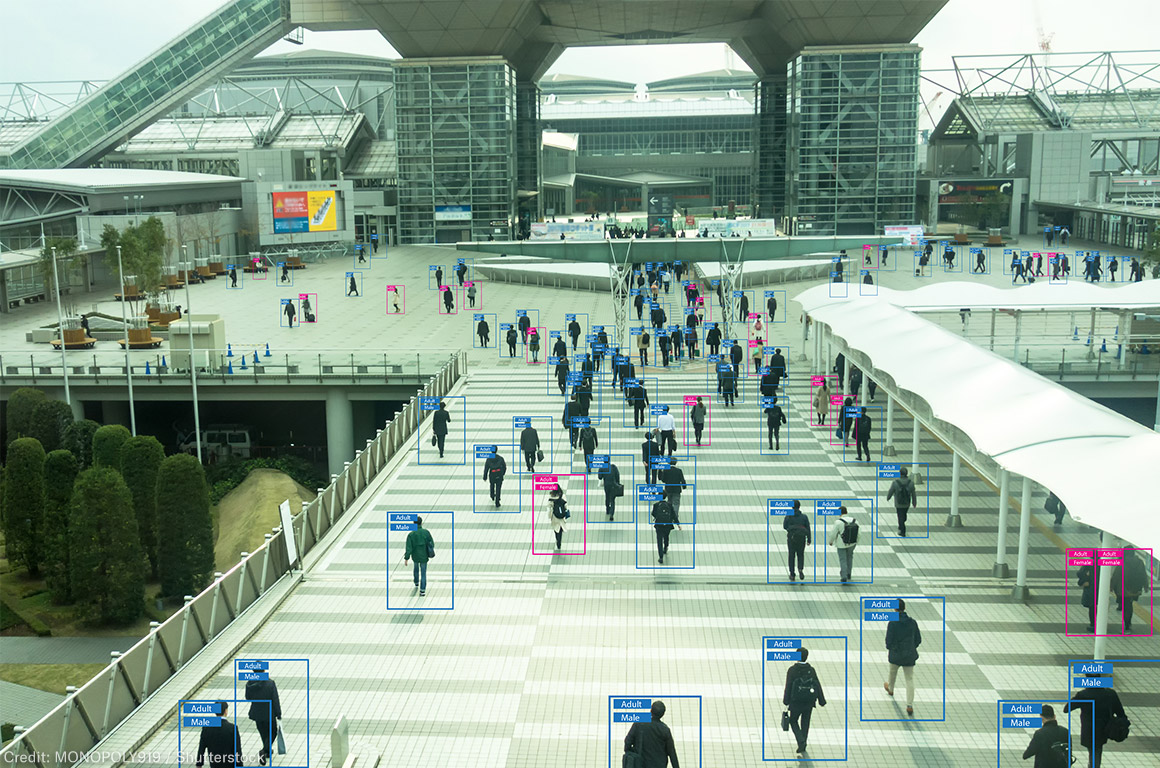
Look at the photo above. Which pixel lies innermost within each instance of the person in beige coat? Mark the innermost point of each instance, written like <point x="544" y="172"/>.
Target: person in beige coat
<point x="822" y="402"/>
<point x="557" y="514"/>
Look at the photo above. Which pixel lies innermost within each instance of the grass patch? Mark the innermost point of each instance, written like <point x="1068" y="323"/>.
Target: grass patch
<point x="49" y="677"/>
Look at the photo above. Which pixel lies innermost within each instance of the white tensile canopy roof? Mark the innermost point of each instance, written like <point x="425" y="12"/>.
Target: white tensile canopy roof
<point x="1028" y="424"/>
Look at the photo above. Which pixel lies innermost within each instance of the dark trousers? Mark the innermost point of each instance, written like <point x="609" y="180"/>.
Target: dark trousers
<point x="663" y="532"/>
<point x="799" y="723"/>
<point x="562" y="384"/>
<point x="775" y="435"/>
<point x="714" y="349"/>
<point x="697" y="430"/>
<point x="638" y="417"/>
<point x="1095" y="755"/>
<point x="266" y="729"/>
<point x="863" y="445"/>
<point x="644" y="357"/>
<point x="572" y="432"/>
<point x="494" y="487"/>
<point x="664" y="357"/>
<point x="728" y="395"/>
<point x="609" y="504"/>
<point x="901" y="512"/>
<point x="439" y="440"/>
<point x="650" y="473"/>
<point x="530" y="460"/>
<point x="797" y="553"/>
<point x="587" y="461"/>
<point x="482" y="340"/>
<point x="511" y="349"/>
<point x="667" y="438"/>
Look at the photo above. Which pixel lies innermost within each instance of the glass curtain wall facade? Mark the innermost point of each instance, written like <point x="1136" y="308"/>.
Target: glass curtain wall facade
<point x="456" y="121"/>
<point x="853" y="116"/>
<point x="769" y="180"/>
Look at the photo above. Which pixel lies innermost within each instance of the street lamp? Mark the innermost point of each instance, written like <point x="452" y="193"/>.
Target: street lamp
<point x="192" y="362"/>
<point x="125" y="324"/>
<point x="60" y="326"/>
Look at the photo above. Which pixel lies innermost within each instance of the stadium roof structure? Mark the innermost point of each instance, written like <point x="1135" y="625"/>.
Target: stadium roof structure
<point x="1019" y="420"/>
<point x="228" y="133"/>
<point x="97" y="180"/>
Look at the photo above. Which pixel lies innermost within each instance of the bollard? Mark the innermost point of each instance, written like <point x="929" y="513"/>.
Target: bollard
<point x="229" y="350"/>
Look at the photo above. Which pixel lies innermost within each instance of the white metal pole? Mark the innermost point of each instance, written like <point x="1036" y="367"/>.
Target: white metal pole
<point x="60" y="323"/>
<point x="1021" y="590"/>
<point x="128" y="366"/>
<point x="192" y="361"/>
<point x="1103" y="597"/>
<point x="888" y="438"/>
<point x="954" y="520"/>
<point x="1000" y="568"/>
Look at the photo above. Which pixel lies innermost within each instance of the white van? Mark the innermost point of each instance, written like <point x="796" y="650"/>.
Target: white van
<point x="221" y="441"/>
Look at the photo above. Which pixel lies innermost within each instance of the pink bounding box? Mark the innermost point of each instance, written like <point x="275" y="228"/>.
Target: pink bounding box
<point x="542" y="520"/>
<point x="707" y="436"/>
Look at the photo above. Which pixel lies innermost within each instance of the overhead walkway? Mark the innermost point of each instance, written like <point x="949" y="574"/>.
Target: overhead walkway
<point x="154" y="87"/>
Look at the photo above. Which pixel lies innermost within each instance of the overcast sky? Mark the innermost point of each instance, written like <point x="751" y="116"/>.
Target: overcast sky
<point x="98" y="39"/>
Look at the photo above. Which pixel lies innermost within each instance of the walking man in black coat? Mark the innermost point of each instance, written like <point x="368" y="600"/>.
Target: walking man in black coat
<point x="574" y="332"/>
<point x="529" y="444"/>
<point x="652" y="741"/>
<point x="493" y="471"/>
<point x="222" y="742"/>
<point x="265" y="712"/>
<point x="638" y="396"/>
<point x="862" y="426"/>
<point x="648" y="449"/>
<point x="803" y="691"/>
<point x="483" y="330"/>
<point x="902" y="641"/>
<point x="1049" y="744"/>
<point x="1097" y="707"/>
<point x="571" y="411"/>
<point x="524" y="323"/>
<point x="736" y="356"/>
<point x="797" y="537"/>
<point x="440" y="420"/>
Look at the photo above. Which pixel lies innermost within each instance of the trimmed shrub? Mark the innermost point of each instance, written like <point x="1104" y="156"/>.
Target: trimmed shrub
<point x="106" y="564"/>
<point x="78" y="440"/>
<point x="60" y="474"/>
<point x="141" y="457"/>
<point x="24" y="503"/>
<point x="107" y="442"/>
<point x="184" y="527"/>
<point x="50" y="419"/>
<point x="21" y="404"/>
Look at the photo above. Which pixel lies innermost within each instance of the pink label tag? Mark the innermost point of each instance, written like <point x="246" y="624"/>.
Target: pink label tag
<point x="545" y="482"/>
<point x="690" y="399"/>
<point x="817" y="381"/>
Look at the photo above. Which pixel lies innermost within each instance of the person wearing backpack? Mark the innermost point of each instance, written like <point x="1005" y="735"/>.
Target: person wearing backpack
<point x="664" y="517"/>
<point x="1055" y="507"/>
<point x="642" y="342"/>
<point x="844" y="537"/>
<point x="651" y="744"/>
<point x="803" y="691"/>
<point x="902" y="491"/>
<point x="673" y="478"/>
<point x="1128" y="582"/>
<point x="609" y="477"/>
<point x="493" y="471"/>
<point x="1098" y="709"/>
<point x="420" y="549"/>
<point x="797" y="536"/>
<point x="558" y="514"/>
<point x="511" y="338"/>
<point x="902" y="641"/>
<point x="1049" y="744"/>
<point x="588" y="442"/>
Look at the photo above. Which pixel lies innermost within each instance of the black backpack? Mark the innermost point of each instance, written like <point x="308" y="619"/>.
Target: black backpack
<point x="1117" y="728"/>
<point x="1057" y="755"/>
<point x="804" y="691"/>
<point x="902" y="498"/>
<point x="850" y="532"/>
<point x="796" y="536"/>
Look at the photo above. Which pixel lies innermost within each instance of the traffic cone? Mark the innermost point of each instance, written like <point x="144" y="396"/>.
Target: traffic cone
<point x="1075" y="334"/>
<point x="163" y="363"/>
<point x="146" y="367"/>
<point x="267" y="349"/>
<point x="1088" y="343"/>
<point x="243" y="362"/>
<point x="229" y="350"/>
<point x="255" y="357"/>
<point x="1104" y="346"/>
<point x="1116" y="333"/>
<point x="230" y="367"/>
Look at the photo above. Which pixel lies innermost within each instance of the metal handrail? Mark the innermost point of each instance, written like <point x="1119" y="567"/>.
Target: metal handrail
<point x="88" y="714"/>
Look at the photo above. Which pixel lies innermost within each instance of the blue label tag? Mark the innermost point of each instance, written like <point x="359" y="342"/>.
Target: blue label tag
<point x="254" y="665"/>
<point x="630" y="717"/>
<point x="829" y="507"/>
<point x="522" y="421"/>
<point x="433" y="268"/>
<point x="1092" y="682"/>
<point x="505" y="326"/>
<point x="201" y="707"/>
<point x="1022" y="722"/>
<point x="889" y="471"/>
<point x="485" y="451"/>
<point x="880" y="616"/>
<point x="247" y="676"/>
<point x="569" y="318"/>
<point x="428" y="403"/>
<point x="780" y="507"/>
<point x="478" y="318"/>
<point x="881" y="603"/>
<point x="599" y="460"/>
<point x="791" y="655"/>
<point x="1027" y="708"/>
<point x="1091" y="667"/>
<point x="201" y="722"/>
<point x="521" y="313"/>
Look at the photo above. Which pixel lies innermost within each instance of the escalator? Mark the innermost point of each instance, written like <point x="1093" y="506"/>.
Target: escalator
<point x="153" y="88"/>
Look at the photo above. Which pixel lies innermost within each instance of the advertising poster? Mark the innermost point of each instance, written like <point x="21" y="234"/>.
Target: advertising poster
<point x="296" y="212"/>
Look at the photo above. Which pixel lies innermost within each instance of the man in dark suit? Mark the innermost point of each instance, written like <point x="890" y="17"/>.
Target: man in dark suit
<point x="265" y="711"/>
<point x="652" y="741"/>
<point x="1049" y="745"/>
<point x="441" y="419"/>
<point x="803" y="691"/>
<point x="1094" y="718"/>
<point x="223" y="743"/>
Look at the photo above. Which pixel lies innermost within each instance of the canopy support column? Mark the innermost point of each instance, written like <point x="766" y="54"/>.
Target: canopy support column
<point x="1091" y="339"/>
<point x="731" y="271"/>
<point x="994" y="312"/>
<point x="1103" y="597"/>
<point x="888" y="438"/>
<point x="999" y="570"/>
<point x="1021" y="592"/>
<point x="816" y="368"/>
<point x="1018" y="333"/>
<point x="914" y="437"/>
<point x="618" y="271"/>
<point x="805" y="336"/>
<point x="954" y="520"/>
<point x="1125" y="339"/>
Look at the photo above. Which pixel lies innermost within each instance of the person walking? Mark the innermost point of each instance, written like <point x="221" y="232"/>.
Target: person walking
<point x="233" y="276"/>
<point x="844" y="538"/>
<point x="727" y="383"/>
<point x="461" y="272"/>
<point x="574" y="332"/>
<point x="1049" y="743"/>
<point x="439" y="278"/>
<point x="1128" y="582"/>
<point x="771" y="307"/>
<point x="530" y="445"/>
<point x="609" y="477"/>
<point x="713" y="340"/>
<point x="855" y="382"/>
<point x="673" y="478"/>
<point x="840" y="368"/>
<point x="651" y="742"/>
<point x="905" y="498"/>
<point x="1016" y="268"/>
<point x="758" y="353"/>
<point x="1136" y="270"/>
<point x="483" y="331"/>
<point x="534" y="345"/>
<point x="285" y="272"/>
<point x="663" y="343"/>
<point x="736" y="357"/>
<point x="589" y="442"/>
<point x="571" y="413"/>
<point x="649" y="449"/>
<point x="511" y="338"/>
<point x="902" y="640"/>
<point x="265" y="713"/>
<point x="559" y="347"/>
<point x="822" y="402"/>
<point x="1055" y="507"/>
<point x="638" y="396"/>
<point x="561" y="367"/>
<point x="697" y="416"/>
<point x="558" y="514"/>
<point x="394" y="298"/>
<point x="664" y="517"/>
<point x="471" y="294"/>
<point x="980" y="262"/>
<point x="493" y="471"/>
<point x="222" y="742"/>
<point x="288" y="310"/>
<point x="440" y="420"/>
<point x="1098" y="707"/>
<point x="1113" y="265"/>
<point x="675" y="341"/>
<point x="862" y="426"/>
<point x="774" y="418"/>
<point x="642" y="342"/>
<point x="448" y="300"/>
<point x="778" y="367"/>
<point x="420" y="549"/>
<point x="797" y="537"/>
<point x="353" y="288"/>
<point x="525" y="324"/>
<point x="668" y="429"/>
<point x="691" y="342"/>
<point x="846" y="420"/>
<point x="638" y="303"/>
<point x="803" y="692"/>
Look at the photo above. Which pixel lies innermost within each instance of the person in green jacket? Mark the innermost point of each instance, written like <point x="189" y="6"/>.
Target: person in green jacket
<point x="420" y="548"/>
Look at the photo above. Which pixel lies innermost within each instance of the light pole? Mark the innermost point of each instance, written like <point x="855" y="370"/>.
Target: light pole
<point x="192" y="362"/>
<point x="125" y="324"/>
<point x="60" y="325"/>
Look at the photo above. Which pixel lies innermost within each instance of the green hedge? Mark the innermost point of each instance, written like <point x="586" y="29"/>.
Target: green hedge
<point x="107" y="442"/>
<point x="24" y="504"/>
<point x="185" y="547"/>
<point x="60" y="474"/>
<point x="105" y="559"/>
